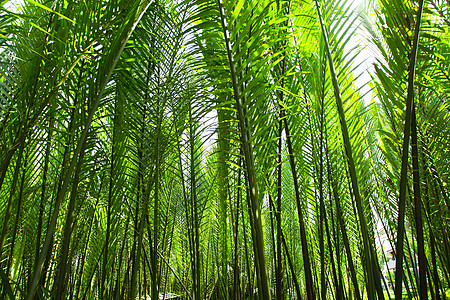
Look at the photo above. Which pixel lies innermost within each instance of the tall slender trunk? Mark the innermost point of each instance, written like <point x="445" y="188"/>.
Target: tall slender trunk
<point x="336" y="281"/>
<point x="57" y="190"/>
<point x="323" y="283"/>
<point x="305" y="252"/>
<point x="116" y="289"/>
<point x="140" y="218"/>
<point x="272" y="240"/>
<point x="68" y="228"/>
<point x="340" y="285"/>
<point x="332" y="182"/>
<point x="372" y="281"/>
<point x="43" y="192"/>
<point x="11" y="197"/>
<point x="154" y="256"/>
<point x="250" y="164"/>
<point x="278" y="260"/>
<point x="405" y="153"/>
<point x="117" y="47"/>
<point x="287" y="253"/>
<point x="140" y="190"/>
<point x="110" y="195"/>
<point x="279" y="255"/>
<point x="193" y="208"/>
<point x="423" y="292"/>
<point x="434" y="270"/>
<point x="18" y="211"/>
<point x="88" y="237"/>
<point x="223" y="190"/>
<point x="237" y="281"/>
<point x="59" y="285"/>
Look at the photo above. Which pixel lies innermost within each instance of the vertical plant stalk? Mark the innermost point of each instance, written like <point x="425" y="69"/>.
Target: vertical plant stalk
<point x="154" y="274"/>
<point x="116" y="50"/>
<point x="66" y="156"/>
<point x="110" y="196"/>
<point x="423" y="292"/>
<point x="18" y="210"/>
<point x="305" y="252"/>
<point x="286" y="251"/>
<point x="11" y="196"/>
<point x="69" y="217"/>
<point x="195" y="230"/>
<point x="116" y="291"/>
<point x="167" y="238"/>
<point x="250" y="165"/>
<point x="367" y="248"/>
<point x="237" y="282"/>
<point x="154" y="246"/>
<point x="434" y="271"/>
<point x="88" y="238"/>
<point x="114" y="183"/>
<point x="323" y="283"/>
<point x="43" y="189"/>
<point x="141" y="219"/>
<point x="311" y="295"/>
<point x="60" y="280"/>
<point x="140" y="182"/>
<point x="339" y="214"/>
<point x="405" y="151"/>
<point x="279" y="255"/>
<point x="224" y="148"/>
<point x="244" y="231"/>
<point x="89" y="281"/>
<point x="338" y="285"/>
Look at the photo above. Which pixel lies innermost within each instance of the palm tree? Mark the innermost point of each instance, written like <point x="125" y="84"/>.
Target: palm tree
<point x="223" y="150"/>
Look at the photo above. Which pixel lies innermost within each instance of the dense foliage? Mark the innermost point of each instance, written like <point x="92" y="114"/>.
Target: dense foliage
<point x="224" y="149"/>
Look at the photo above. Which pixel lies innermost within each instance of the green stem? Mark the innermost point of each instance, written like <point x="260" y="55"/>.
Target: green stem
<point x="249" y="163"/>
<point x="405" y="152"/>
<point x="110" y="62"/>
<point x="423" y="293"/>
<point x="367" y="248"/>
